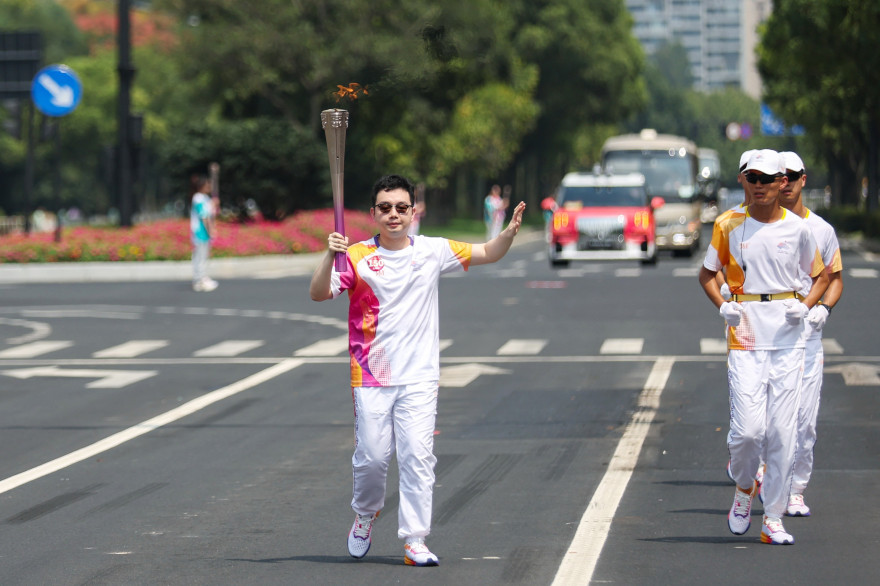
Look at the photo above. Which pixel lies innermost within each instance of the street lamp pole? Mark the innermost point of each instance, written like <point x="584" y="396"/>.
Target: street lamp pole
<point x="123" y="151"/>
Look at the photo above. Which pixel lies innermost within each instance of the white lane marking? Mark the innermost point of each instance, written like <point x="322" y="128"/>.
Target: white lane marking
<point x="73" y="312"/>
<point x="622" y="346"/>
<point x="686" y="272"/>
<point x="713" y="346"/>
<point x="147" y="426"/>
<point x="863" y="273"/>
<point x="35" y="349"/>
<point x="628" y="272"/>
<point x="107" y="379"/>
<point x="329" y="347"/>
<point x="521" y="346"/>
<point x="831" y="346"/>
<point x="130" y="349"/>
<point x="444" y="344"/>
<point x="857" y="374"/>
<point x="39" y="330"/>
<point x="582" y="555"/>
<point x="229" y="348"/>
<point x="464" y="374"/>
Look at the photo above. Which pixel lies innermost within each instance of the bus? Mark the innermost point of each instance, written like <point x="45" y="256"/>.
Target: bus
<point x="670" y="165"/>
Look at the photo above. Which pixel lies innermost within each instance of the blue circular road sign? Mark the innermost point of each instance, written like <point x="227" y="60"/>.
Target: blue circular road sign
<point x="56" y="90"/>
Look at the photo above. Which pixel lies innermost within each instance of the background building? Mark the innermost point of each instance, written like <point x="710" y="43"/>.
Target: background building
<point x="719" y="37"/>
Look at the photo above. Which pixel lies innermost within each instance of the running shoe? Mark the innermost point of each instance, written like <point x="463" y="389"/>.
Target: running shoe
<point x="416" y="553"/>
<point x="796" y="506"/>
<point x="359" y="537"/>
<point x="774" y="533"/>
<point x="740" y="517"/>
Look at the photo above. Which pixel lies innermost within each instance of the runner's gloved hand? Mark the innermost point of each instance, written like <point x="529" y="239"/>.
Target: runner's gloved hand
<point x="817" y="316"/>
<point x="796" y="312"/>
<point x="725" y="292"/>
<point x="731" y="311"/>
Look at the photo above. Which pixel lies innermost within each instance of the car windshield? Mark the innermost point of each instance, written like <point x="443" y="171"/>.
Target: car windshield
<point x="604" y="196"/>
<point x="667" y="174"/>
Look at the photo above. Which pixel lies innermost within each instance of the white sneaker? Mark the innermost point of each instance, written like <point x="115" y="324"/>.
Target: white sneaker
<point x="796" y="506"/>
<point x="416" y="553"/>
<point x="209" y="284"/>
<point x="359" y="538"/>
<point x="774" y="533"/>
<point x="740" y="517"/>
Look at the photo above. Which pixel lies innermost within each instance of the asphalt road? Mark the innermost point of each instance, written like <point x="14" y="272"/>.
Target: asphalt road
<point x="153" y="435"/>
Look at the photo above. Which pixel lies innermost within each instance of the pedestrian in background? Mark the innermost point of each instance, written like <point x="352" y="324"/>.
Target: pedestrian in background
<point x="394" y="343"/>
<point x="202" y="225"/>
<point x="494" y="212"/>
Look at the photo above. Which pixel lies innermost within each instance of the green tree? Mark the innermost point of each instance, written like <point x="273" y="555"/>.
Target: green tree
<point x="816" y="58"/>
<point x="589" y="80"/>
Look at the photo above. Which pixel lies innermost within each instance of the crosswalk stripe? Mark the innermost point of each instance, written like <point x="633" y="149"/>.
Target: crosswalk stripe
<point x="830" y="346"/>
<point x="713" y="346"/>
<point x="863" y="273"/>
<point x="622" y="346"/>
<point x="131" y="349"/>
<point x="329" y="347"/>
<point x="35" y="349"/>
<point x="628" y="272"/>
<point x="444" y="344"/>
<point x="229" y="348"/>
<point x="517" y="346"/>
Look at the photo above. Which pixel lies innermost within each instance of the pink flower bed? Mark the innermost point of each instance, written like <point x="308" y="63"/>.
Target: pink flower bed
<point x="170" y="240"/>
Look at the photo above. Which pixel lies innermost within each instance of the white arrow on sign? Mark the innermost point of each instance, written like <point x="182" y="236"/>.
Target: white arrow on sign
<point x="857" y="374"/>
<point x="62" y="96"/>
<point x="107" y="379"/>
<point x="464" y="374"/>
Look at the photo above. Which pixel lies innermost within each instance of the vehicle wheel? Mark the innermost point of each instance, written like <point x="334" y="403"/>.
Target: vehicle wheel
<point x="650" y="261"/>
<point x="558" y="264"/>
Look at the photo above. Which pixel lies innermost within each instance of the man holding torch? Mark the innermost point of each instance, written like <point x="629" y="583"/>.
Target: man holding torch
<point x="392" y="283"/>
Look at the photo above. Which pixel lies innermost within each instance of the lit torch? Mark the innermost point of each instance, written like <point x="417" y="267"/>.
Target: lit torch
<point x="335" y="124"/>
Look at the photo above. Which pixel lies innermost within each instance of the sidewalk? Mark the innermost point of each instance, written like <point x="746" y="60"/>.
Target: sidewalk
<point x="254" y="267"/>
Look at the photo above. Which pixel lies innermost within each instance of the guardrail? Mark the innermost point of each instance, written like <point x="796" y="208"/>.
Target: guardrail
<point x="11" y="225"/>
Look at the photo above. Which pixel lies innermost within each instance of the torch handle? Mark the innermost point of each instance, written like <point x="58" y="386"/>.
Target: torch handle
<point x="338" y="217"/>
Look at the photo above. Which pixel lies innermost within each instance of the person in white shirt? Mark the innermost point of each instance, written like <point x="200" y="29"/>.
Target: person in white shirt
<point x="392" y="284"/>
<point x="814" y="358"/>
<point x="765" y="250"/>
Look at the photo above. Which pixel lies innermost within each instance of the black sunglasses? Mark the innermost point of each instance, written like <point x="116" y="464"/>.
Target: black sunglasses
<point x="762" y="179"/>
<point x="385" y="207"/>
<point x="794" y="175"/>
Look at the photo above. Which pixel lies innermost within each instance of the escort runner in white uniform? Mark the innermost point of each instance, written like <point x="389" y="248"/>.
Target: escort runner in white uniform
<point x="764" y="251"/>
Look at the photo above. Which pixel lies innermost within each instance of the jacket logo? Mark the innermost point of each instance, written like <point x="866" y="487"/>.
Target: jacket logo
<point x="376" y="264"/>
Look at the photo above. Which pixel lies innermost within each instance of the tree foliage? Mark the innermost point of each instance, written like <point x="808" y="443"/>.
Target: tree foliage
<point x="816" y="58"/>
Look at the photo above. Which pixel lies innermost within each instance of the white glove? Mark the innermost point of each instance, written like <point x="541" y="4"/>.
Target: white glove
<point x="731" y="311"/>
<point x="817" y="317"/>
<point x="725" y="292"/>
<point x="795" y="313"/>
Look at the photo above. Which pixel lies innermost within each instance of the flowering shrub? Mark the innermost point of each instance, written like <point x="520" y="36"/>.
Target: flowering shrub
<point x="170" y="239"/>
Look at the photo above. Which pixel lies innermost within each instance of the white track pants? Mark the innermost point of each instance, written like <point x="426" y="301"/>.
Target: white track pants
<point x="764" y="396"/>
<point x="386" y="418"/>
<point x="201" y="252"/>
<point x="808" y="413"/>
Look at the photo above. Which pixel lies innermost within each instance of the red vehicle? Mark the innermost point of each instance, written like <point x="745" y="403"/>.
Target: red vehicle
<point x="600" y="216"/>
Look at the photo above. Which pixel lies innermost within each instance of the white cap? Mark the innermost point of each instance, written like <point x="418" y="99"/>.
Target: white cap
<point x="766" y="161"/>
<point x="744" y="158"/>
<point x="792" y="161"/>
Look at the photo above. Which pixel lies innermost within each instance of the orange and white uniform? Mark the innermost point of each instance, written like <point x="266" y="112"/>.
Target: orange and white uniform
<point x="766" y="353"/>
<point x="814" y="360"/>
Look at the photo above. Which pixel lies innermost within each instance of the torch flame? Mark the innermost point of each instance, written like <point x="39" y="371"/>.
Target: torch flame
<point x="351" y="92"/>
